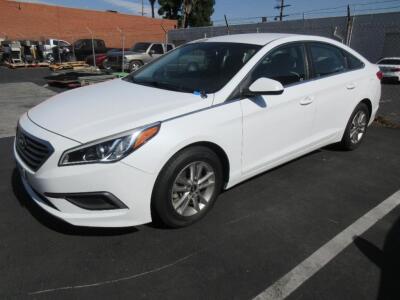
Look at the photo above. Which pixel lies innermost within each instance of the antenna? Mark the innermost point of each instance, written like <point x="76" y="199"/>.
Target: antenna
<point x="281" y="6"/>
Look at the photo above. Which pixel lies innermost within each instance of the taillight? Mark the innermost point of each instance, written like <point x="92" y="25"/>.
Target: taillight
<point x="379" y="75"/>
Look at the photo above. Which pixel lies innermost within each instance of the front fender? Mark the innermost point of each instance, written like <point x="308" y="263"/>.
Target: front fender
<point x="220" y="125"/>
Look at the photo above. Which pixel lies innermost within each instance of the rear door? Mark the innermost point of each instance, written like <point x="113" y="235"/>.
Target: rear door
<point x="336" y="89"/>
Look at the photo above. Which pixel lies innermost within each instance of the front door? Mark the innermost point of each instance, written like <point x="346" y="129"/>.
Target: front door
<point x="276" y="126"/>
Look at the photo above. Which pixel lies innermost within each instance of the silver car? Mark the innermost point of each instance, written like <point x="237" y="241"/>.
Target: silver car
<point x="137" y="56"/>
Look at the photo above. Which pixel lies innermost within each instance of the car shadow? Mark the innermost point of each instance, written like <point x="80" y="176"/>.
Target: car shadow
<point x="54" y="223"/>
<point x="390" y="82"/>
<point x="387" y="259"/>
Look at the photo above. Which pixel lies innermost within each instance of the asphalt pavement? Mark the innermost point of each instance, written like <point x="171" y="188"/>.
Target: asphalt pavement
<point x="256" y="233"/>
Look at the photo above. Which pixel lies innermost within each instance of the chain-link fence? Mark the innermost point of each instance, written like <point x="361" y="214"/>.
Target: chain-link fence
<point x="374" y="36"/>
<point x="84" y="45"/>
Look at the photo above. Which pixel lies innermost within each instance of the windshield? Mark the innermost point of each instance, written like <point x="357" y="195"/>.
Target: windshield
<point x="199" y="67"/>
<point x="140" y="47"/>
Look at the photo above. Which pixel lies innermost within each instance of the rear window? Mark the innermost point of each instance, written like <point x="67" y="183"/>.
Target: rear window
<point x="389" y="62"/>
<point x="140" y="47"/>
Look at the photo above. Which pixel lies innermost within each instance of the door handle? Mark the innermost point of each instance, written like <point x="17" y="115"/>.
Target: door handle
<point x="351" y="86"/>
<point x="307" y="100"/>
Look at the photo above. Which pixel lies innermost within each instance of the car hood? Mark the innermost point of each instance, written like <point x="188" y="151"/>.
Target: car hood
<point x="97" y="111"/>
<point x="119" y="53"/>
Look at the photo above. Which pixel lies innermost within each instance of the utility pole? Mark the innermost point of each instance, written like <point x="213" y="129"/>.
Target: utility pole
<point x="281" y="6"/>
<point x="227" y="24"/>
<point x="142" y="8"/>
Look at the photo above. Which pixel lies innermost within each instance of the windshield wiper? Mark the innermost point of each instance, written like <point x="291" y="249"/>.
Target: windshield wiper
<point x="159" y="84"/>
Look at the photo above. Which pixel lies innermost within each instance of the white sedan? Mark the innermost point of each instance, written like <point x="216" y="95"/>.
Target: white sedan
<point x="390" y="67"/>
<point x="167" y="139"/>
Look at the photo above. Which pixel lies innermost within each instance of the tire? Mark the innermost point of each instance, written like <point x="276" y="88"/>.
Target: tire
<point x="105" y="65"/>
<point x="135" y="65"/>
<point x="174" y="196"/>
<point x="50" y="58"/>
<point x="356" y="128"/>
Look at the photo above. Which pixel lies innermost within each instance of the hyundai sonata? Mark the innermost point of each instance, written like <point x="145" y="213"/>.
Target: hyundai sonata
<point x="168" y="138"/>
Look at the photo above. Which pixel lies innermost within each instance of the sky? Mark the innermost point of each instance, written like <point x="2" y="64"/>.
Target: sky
<point x="240" y="11"/>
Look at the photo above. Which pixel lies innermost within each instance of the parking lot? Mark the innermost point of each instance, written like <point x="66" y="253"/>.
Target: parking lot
<point x="280" y="224"/>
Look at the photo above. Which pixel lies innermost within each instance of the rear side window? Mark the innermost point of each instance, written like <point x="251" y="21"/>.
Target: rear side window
<point x="326" y="59"/>
<point x="285" y="64"/>
<point x="353" y="63"/>
<point x="169" y="47"/>
<point x="157" y="48"/>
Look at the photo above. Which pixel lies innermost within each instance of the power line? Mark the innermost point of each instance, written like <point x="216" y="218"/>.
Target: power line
<point x="321" y="11"/>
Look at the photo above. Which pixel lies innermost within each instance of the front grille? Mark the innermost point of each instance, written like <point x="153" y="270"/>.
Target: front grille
<point x="114" y="59"/>
<point x="33" y="151"/>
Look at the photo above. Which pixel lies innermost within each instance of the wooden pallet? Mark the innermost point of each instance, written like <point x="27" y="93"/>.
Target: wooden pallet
<point x="68" y="65"/>
<point x="24" y="65"/>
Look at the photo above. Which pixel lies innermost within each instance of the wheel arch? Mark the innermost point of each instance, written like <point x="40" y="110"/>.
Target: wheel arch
<point x="217" y="149"/>
<point x="368" y="102"/>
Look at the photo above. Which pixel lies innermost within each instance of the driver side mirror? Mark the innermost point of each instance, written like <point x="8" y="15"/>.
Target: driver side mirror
<point x="264" y="86"/>
<point x="151" y="52"/>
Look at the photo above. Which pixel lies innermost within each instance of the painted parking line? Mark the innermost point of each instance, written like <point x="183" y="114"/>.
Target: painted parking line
<point x="316" y="261"/>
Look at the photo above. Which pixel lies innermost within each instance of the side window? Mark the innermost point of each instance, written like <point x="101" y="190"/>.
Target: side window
<point x="100" y="44"/>
<point x="353" y="63"/>
<point x="285" y="64"/>
<point x="326" y="59"/>
<point x="55" y="42"/>
<point x="158" y="49"/>
<point x="169" y="47"/>
<point x="63" y="44"/>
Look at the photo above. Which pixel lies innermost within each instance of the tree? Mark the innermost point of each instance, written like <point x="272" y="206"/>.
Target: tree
<point x="201" y="13"/>
<point x="194" y="13"/>
<point x="170" y="9"/>
<point x="152" y="2"/>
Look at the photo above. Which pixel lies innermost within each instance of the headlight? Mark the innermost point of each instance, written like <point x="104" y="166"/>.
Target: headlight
<point x="109" y="149"/>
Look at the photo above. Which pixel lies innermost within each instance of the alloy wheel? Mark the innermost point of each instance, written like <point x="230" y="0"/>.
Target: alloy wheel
<point x="193" y="188"/>
<point x="358" y="127"/>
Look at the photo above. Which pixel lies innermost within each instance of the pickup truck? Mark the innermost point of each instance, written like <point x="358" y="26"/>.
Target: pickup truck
<point x="83" y="48"/>
<point x="50" y="48"/>
<point x="140" y="54"/>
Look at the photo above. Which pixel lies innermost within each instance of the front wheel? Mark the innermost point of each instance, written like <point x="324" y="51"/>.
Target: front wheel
<point x="356" y="127"/>
<point x="135" y="65"/>
<point x="187" y="187"/>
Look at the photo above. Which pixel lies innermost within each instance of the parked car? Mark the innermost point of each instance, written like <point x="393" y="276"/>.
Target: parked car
<point x="139" y="54"/>
<point x="51" y="47"/>
<point x="165" y="140"/>
<point x="83" y="48"/>
<point x="100" y="58"/>
<point x="390" y="67"/>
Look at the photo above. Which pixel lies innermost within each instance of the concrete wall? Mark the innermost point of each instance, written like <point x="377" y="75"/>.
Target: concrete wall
<point x="368" y="36"/>
<point x="36" y="21"/>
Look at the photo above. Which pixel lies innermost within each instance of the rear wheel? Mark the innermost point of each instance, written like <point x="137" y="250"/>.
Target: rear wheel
<point x="356" y="127"/>
<point x="187" y="187"/>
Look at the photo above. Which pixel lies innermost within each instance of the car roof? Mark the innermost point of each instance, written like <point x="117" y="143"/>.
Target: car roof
<point x="250" y="38"/>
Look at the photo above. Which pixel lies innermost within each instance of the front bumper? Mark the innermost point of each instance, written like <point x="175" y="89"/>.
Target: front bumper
<point x="116" y="65"/>
<point x="133" y="187"/>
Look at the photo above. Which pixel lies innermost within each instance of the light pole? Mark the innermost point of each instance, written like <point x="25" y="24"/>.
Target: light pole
<point x="93" y="52"/>
<point x="123" y="49"/>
